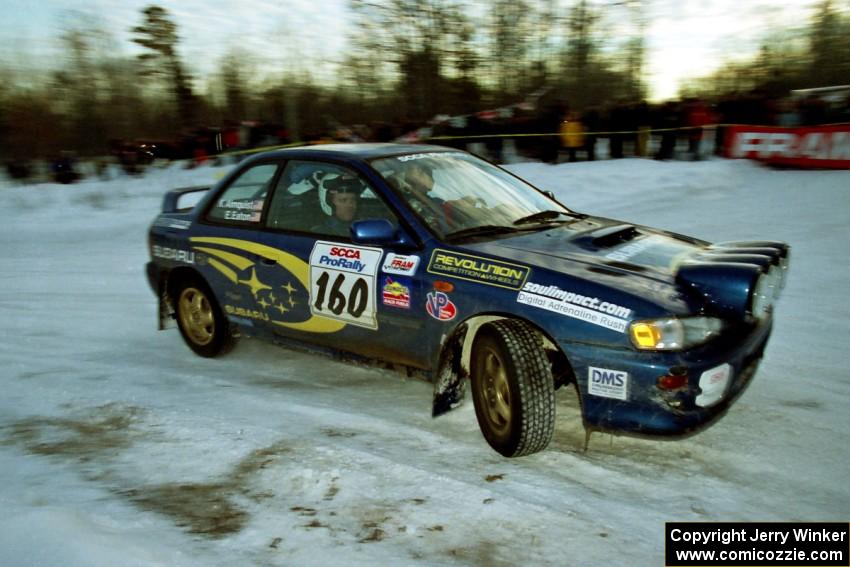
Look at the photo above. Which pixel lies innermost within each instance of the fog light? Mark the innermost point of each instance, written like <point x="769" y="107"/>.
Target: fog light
<point x="677" y="378"/>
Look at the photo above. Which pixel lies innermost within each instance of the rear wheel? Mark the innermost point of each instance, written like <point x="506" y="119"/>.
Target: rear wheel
<point x="512" y="388"/>
<point x="202" y="323"/>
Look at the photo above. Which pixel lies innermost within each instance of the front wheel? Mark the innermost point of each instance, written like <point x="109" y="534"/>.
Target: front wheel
<point x="203" y="325"/>
<point x="512" y="388"/>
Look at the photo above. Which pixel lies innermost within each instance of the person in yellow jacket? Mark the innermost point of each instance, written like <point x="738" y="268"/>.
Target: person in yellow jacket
<point x="572" y="134"/>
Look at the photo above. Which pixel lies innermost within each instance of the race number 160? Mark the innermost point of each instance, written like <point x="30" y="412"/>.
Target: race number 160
<point x="337" y="301"/>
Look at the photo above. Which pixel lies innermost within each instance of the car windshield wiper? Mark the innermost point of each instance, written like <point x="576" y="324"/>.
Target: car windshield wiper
<point x="541" y="216"/>
<point x="481" y="231"/>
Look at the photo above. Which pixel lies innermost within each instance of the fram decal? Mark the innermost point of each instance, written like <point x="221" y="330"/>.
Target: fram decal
<point x="477" y="269"/>
<point x="400" y="265"/>
<point x="440" y="307"/>
<point x="607" y="383"/>
<point x="396" y="293"/>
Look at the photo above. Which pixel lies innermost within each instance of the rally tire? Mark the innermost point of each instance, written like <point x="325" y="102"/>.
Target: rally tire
<point x="512" y="388"/>
<point x="202" y="323"/>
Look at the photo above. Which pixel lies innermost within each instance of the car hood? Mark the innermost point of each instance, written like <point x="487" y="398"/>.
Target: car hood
<point x="600" y="242"/>
<point x="724" y="278"/>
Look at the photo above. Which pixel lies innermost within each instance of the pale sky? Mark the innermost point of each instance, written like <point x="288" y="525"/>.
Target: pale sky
<point x="685" y="38"/>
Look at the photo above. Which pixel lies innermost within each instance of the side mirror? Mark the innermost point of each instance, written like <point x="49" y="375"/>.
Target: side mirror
<point x="380" y="232"/>
<point x="551" y="195"/>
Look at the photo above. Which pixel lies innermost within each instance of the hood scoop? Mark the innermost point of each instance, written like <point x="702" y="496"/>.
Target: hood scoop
<point x="607" y="237"/>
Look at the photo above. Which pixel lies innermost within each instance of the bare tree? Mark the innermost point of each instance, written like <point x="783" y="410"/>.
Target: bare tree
<point x="158" y="34"/>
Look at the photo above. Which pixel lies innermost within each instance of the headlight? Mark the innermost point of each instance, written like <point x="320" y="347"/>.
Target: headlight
<point x="673" y="333"/>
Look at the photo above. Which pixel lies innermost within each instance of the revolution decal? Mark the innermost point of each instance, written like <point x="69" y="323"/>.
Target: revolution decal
<point x="342" y="283"/>
<point x="585" y="308"/>
<point x="400" y="265"/>
<point x="440" y="307"/>
<point x="396" y="293"/>
<point x="607" y="383"/>
<point x="286" y="305"/>
<point x="474" y="268"/>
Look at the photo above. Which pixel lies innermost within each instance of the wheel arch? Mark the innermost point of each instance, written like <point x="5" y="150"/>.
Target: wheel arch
<point x="167" y="282"/>
<point x="455" y="355"/>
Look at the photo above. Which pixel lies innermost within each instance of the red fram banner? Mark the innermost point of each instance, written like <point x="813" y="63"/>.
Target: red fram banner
<point x="805" y="146"/>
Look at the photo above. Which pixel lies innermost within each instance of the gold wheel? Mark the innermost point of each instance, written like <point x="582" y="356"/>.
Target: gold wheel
<point x="495" y="391"/>
<point x="196" y="316"/>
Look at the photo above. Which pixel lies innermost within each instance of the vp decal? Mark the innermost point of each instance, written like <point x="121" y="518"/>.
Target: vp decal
<point x="440" y="307"/>
<point x="342" y="283"/>
<point x="286" y="305"/>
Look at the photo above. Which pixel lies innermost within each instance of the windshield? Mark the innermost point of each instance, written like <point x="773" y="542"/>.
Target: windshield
<point x="457" y="194"/>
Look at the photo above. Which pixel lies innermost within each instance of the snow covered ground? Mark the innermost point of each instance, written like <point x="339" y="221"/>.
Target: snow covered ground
<point x="118" y="446"/>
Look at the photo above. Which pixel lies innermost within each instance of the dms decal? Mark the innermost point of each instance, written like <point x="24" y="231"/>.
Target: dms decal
<point x="477" y="269"/>
<point x="343" y="282"/>
<point x="279" y="292"/>
<point x="400" y="265"/>
<point x="396" y="293"/>
<point x="583" y="307"/>
<point x="607" y="383"/>
<point x="440" y="307"/>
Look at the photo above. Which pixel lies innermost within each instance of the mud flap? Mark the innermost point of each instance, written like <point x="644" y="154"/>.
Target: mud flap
<point x="450" y="382"/>
<point x="165" y="312"/>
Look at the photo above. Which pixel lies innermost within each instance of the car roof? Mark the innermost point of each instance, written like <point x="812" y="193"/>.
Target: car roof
<point x="361" y="151"/>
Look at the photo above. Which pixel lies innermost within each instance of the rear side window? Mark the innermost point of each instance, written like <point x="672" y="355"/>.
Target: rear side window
<point x="243" y="199"/>
<point x="323" y="199"/>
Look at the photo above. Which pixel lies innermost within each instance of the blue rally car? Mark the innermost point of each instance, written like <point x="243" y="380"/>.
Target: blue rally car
<point x="432" y="259"/>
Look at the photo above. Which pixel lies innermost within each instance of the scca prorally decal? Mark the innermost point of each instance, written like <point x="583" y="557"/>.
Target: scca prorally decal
<point x="633" y="249"/>
<point x="440" y="307"/>
<point x="477" y="269"/>
<point x="175" y="254"/>
<point x="583" y="307"/>
<point x="400" y="265"/>
<point x="607" y="383"/>
<point x="342" y="283"/>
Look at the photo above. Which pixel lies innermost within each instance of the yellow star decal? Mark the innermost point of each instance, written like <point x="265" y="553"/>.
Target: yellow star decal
<point x="281" y="308"/>
<point x="292" y="302"/>
<point x="288" y="287"/>
<point x="254" y="283"/>
<point x="272" y="297"/>
<point x="263" y="303"/>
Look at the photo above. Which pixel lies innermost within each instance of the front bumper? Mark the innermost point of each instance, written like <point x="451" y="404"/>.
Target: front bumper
<point x="640" y="407"/>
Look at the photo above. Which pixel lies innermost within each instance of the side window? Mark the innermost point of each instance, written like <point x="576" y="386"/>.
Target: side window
<point x="323" y="199"/>
<point x="243" y="200"/>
